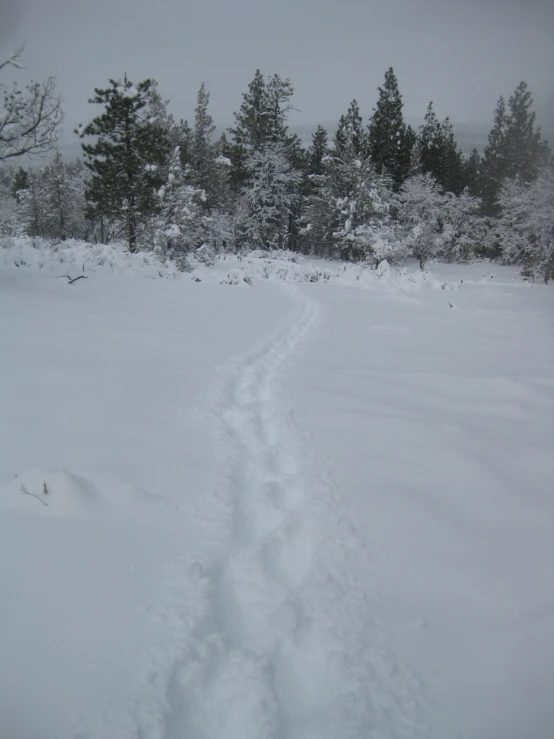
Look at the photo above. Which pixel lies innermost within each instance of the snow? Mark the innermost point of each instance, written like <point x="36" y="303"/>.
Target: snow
<point x="79" y="257"/>
<point x="224" y="161"/>
<point x="317" y="506"/>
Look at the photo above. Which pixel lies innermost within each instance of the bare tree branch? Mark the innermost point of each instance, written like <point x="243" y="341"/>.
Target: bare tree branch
<point x="26" y="492"/>
<point x="30" y="118"/>
<point x="15" y="60"/>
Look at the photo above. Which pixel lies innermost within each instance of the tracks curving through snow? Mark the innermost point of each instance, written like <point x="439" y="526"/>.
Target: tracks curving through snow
<point x="273" y="637"/>
<point x="285" y="648"/>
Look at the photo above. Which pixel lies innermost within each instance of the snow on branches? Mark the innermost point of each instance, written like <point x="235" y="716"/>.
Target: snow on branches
<point x="30" y="118"/>
<point x="526" y="225"/>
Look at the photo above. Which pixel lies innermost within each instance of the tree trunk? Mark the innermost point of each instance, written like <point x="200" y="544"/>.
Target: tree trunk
<point x="131" y="234"/>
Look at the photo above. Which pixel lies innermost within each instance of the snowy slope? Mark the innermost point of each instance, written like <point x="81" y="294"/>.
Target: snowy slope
<point x="440" y="424"/>
<point x="314" y="503"/>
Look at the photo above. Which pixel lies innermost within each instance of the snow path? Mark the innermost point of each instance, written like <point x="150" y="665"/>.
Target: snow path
<point x="269" y="635"/>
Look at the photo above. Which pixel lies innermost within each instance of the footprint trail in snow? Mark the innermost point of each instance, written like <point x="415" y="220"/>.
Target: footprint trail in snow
<point x="275" y="637"/>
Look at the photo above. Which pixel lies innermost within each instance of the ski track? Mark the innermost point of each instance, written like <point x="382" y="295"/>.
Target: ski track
<point x="269" y="634"/>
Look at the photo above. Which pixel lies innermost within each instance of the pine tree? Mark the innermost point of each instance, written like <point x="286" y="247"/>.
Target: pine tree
<point x="350" y="142"/>
<point x="260" y="141"/>
<point x="251" y="129"/>
<point x="252" y="121"/>
<point x="185" y="142"/>
<point x="313" y="220"/>
<point x="179" y="223"/>
<point x="267" y="202"/>
<point x="279" y="94"/>
<point x="63" y="200"/>
<point x="494" y="165"/>
<point x="438" y="154"/>
<point x="471" y="173"/>
<point x="20" y="182"/>
<point x="526" y="152"/>
<point x="261" y="119"/>
<point x="317" y="152"/>
<point x="204" y="166"/>
<point x="30" y="211"/>
<point x="515" y="147"/>
<point x="56" y="199"/>
<point x="346" y="209"/>
<point x="127" y="158"/>
<point x="390" y="140"/>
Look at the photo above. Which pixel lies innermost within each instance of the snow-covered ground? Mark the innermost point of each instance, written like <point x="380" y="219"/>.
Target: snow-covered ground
<point x="310" y="502"/>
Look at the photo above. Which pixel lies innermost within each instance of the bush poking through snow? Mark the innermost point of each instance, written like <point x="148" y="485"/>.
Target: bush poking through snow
<point x="37" y="253"/>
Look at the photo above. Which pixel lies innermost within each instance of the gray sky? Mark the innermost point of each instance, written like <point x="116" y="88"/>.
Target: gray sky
<point x="462" y="54"/>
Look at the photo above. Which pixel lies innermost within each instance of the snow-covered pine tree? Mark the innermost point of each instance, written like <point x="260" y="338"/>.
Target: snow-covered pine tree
<point x="471" y="173"/>
<point x="279" y="93"/>
<point x="390" y="140"/>
<point x="20" y="181"/>
<point x="494" y="164"/>
<point x="438" y="154"/>
<point x="63" y="200"/>
<point x="350" y="141"/>
<point x="263" y="157"/>
<point x="319" y="149"/>
<point x="526" y="151"/>
<point x="185" y="143"/>
<point x="206" y="169"/>
<point x="251" y="130"/>
<point x="178" y="225"/>
<point x="127" y="158"/>
<point x="314" y="228"/>
<point x="53" y="205"/>
<point x="348" y="202"/>
<point x="10" y="224"/>
<point x="267" y="200"/>
<point x="515" y="147"/>
<point x="261" y="119"/>
<point x="157" y="115"/>
<point x="526" y="223"/>
<point x="30" y="212"/>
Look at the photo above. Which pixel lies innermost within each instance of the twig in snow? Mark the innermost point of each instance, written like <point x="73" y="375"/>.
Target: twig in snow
<point x="26" y="492"/>
<point x="72" y="279"/>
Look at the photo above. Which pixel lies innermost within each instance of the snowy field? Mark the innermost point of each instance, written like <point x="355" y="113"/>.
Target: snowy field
<point x="268" y="499"/>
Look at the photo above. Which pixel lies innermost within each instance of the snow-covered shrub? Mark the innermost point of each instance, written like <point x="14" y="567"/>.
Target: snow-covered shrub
<point x="206" y="255"/>
<point x="72" y="257"/>
<point x="526" y="225"/>
<point x="420" y="204"/>
<point x="463" y="228"/>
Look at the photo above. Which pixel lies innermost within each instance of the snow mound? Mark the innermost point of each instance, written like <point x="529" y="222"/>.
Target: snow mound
<point x="385" y="277"/>
<point x="283" y="255"/>
<point x="64" y="494"/>
<point x="73" y="258"/>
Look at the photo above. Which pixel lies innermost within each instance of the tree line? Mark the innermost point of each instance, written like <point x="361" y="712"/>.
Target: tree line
<point x="373" y="191"/>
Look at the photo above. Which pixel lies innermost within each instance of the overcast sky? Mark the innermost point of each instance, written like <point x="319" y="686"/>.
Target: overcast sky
<point x="462" y="54"/>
